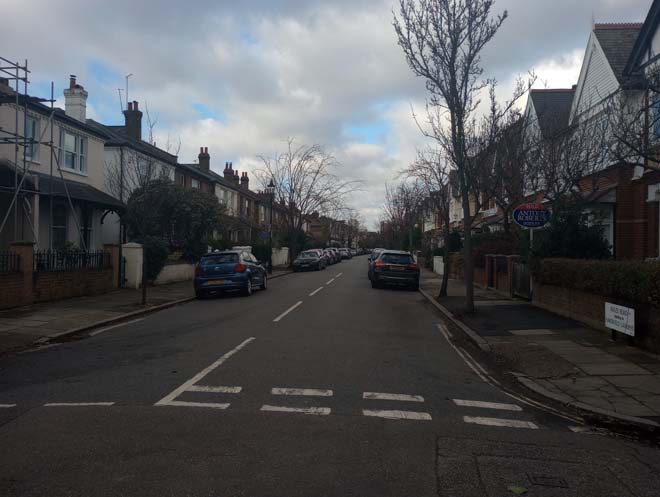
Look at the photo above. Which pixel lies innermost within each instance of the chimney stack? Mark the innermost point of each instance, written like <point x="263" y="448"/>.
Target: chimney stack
<point x="75" y="100"/>
<point x="236" y="178"/>
<point x="228" y="173"/>
<point x="204" y="159"/>
<point x="133" y="119"/>
<point x="245" y="181"/>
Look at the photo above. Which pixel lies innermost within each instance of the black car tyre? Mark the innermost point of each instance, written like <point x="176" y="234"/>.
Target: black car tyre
<point x="247" y="291"/>
<point x="415" y="286"/>
<point x="264" y="284"/>
<point x="374" y="284"/>
<point x="199" y="294"/>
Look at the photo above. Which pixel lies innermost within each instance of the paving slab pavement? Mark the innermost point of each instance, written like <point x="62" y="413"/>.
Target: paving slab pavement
<point x="574" y="363"/>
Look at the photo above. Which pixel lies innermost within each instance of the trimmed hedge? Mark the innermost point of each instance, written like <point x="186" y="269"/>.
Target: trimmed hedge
<point x="633" y="282"/>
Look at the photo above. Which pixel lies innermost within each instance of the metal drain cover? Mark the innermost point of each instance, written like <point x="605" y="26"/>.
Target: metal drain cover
<point x="547" y="481"/>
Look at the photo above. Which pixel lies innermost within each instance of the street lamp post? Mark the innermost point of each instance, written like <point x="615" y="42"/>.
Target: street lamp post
<point x="270" y="189"/>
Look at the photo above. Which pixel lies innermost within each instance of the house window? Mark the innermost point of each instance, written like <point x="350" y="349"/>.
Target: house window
<point x="31" y="133"/>
<point x="73" y="152"/>
<point x="194" y="183"/>
<point x="58" y="230"/>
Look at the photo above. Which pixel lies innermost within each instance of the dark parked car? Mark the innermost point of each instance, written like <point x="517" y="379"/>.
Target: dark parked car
<point x="231" y="270"/>
<point x="345" y="253"/>
<point x="394" y="267"/>
<point x="309" y="260"/>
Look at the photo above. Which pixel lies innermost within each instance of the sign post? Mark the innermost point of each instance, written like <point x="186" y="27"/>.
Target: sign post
<point x="530" y="216"/>
<point x="621" y="319"/>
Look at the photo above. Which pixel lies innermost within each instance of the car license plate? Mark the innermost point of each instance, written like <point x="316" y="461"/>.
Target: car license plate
<point x="396" y="268"/>
<point x="216" y="282"/>
<point x="304" y="265"/>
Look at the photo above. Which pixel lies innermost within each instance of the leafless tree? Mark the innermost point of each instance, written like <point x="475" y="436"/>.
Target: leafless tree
<point x="402" y="211"/>
<point x="306" y="181"/>
<point x="431" y="171"/>
<point x="442" y="41"/>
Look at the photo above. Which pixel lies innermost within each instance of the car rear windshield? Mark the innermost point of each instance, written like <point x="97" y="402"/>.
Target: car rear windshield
<point x="396" y="259"/>
<point x="219" y="259"/>
<point x="309" y="255"/>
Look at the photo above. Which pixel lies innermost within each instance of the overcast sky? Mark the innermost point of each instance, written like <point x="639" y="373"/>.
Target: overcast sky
<point x="241" y="77"/>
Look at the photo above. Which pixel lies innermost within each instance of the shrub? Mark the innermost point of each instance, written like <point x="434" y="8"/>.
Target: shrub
<point x="633" y="282"/>
<point x="499" y="242"/>
<point x="155" y="252"/>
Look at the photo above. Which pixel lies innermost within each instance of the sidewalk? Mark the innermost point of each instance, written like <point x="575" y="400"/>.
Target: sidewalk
<point x="558" y="357"/>
<point x="22" y="327"/>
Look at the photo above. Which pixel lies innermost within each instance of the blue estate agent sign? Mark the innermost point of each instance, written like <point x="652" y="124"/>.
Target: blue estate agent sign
<point x="531" y="215"/>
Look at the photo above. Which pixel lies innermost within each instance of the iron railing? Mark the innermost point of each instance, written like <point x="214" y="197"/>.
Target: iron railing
<point x="9" y="262"/>
<point x="70" y="260"/>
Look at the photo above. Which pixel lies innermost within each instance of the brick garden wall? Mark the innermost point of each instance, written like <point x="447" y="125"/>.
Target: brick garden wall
<point x="589" y="309"/>
<point x="57" y="285"/>
<point x="11" y="291"/>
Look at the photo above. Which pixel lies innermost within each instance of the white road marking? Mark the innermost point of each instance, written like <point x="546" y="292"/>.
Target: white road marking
<point x="319" y="411"/>
<point x="329" y="281"/>
<point x="206" y="388"/>
<point x="418" y="416"/>
<point x="316" y="291"/>
<point x="97" y="332"/>
<point x="506" y="423"/>
<point x="308" y="392"/>
<point x="338" y="275"/>
<point x="487" y="405"/>
<point x="392" y="396"/>
<point x="7" y="406"/>
<point x="277" y="319"/>
<point x="181" y="403"/>
<point x="169" y="398"/>
<point x="77" y="404"/>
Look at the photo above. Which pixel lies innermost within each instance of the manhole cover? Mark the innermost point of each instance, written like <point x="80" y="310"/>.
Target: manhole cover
<point x="547" y="481"/>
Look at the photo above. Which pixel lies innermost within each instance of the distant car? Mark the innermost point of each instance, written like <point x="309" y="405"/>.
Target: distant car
<point x="345" y="253"/>
<point x="354" y="252"/>
<point x="309" y="260"/>
<point x="332" y="256"/>
<point x="395" y="267"/>
<point x="337" y="253"/>
<point x="229" y="271"/>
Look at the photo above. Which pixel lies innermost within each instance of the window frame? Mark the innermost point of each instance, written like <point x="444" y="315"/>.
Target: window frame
<point x="32" y="149"/>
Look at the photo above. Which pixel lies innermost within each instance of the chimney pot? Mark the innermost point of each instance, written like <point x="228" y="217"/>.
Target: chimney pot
<point x="130" y="105"/>
<point x="206" y="150"/>
<point x="72" y="81"/>
<point x="135" y="105"/>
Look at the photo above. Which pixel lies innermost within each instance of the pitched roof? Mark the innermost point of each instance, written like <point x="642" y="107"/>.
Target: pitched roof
<point x="553" y="108"/>
<point x="644" y="39"/>
<point x="118" y="136"/>
<point x="617" y="41"/>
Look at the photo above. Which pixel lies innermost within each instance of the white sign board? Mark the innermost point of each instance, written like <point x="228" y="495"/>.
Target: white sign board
<point x="620" y="318"/>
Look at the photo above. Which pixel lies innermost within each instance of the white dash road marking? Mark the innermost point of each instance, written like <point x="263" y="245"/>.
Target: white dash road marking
<point x="319" y="411"/>
<point x="505" y="423"/>
<point x="417" y="416"/>
<point x="316" y="291"/>
<point x="77" y="404"/>
<point x="277" y="319"/>
<point x="338" y="275"/>
<point x="330" y="281"/>
<point x="97" y="332"/>
<point x="487" y="405"/>
<point x="392" y="396"/>
<point x="582" y="429"/>
<point x="168" y="400"/>
<point x="307" y="392"/>
<point x="210" y="389"/>
<point x="7" y="406"/>
<point x="181" y="403"/>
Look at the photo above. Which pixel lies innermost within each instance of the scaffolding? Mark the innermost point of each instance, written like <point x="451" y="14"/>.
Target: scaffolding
<point x="18" y="74"/>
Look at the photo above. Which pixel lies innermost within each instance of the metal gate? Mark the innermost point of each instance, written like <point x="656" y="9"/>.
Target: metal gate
<point x="521" y="280"/>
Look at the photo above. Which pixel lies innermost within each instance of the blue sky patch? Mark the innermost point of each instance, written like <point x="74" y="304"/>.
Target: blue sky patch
<point x="206" y="112"/>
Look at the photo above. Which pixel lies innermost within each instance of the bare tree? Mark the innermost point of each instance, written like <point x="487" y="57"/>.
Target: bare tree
<point x="431" y="170"/>
<point x="402" y="210"/>
<point x="306" y="181"/>
<point x="442" y="41"/>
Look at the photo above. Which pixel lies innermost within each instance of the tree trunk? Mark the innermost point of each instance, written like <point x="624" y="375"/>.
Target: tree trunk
<point x="468" y="264"/>
<point x="144" y="275"/>
<point x="445" y="263"/>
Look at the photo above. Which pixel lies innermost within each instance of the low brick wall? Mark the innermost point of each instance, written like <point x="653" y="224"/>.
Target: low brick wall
<point x="480" y="277"/>
<point x="57" y="285"/>
<point x="589" y="309"/>
<point x="11" y="290"/>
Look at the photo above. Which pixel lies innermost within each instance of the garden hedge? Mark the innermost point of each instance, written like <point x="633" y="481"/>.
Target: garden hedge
<point x="634" y="282"/>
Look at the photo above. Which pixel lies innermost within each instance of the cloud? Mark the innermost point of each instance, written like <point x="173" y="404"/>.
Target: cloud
<point x="241" y="77"/>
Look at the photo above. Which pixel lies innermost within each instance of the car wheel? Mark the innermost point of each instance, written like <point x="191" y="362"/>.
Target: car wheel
<point x="374" y="284"/>
<point x="264" y="284"/>
<point x="248" y="288"/>
<point x="199" y="294"/>
<point x="415" y="287"/>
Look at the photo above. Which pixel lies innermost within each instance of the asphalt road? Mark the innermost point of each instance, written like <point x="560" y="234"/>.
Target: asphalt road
<point x="352" y="392"/>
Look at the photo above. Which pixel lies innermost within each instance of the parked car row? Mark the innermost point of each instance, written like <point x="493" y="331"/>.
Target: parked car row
<point x="318" y="259"/>
<point x="393" y="268"/>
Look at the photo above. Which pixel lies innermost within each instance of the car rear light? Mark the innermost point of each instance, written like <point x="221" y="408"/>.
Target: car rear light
<point x="198" y="271"/>
<point x="413" y="266"/>
<point x="379" y="264"/>
<point x="240" y="268"/>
